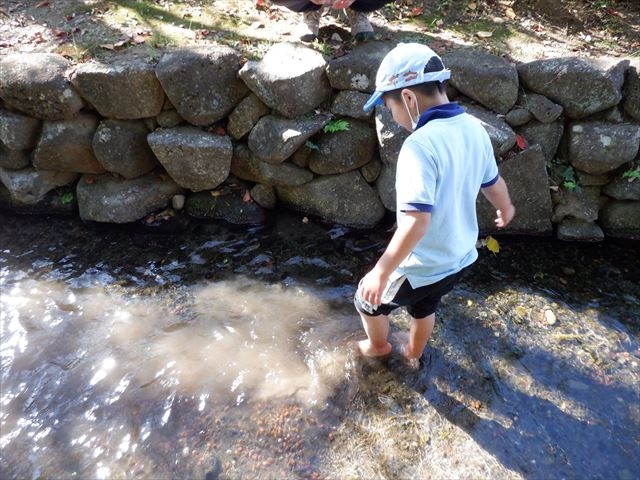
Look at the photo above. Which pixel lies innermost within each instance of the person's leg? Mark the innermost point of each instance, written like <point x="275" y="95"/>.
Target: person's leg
<point x="419" y="334"/>
<point x="297" y="5"/>
<point x="309" y="25"/>
<point x="377" y="330"/>
<point x="368" y="5"/>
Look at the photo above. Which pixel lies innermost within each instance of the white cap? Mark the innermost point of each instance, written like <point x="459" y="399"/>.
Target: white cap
<point x="404" y="66"/>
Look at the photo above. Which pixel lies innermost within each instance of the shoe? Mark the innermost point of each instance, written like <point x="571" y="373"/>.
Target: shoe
<point x="361" y="28"/>
<point x="309" y="26"/>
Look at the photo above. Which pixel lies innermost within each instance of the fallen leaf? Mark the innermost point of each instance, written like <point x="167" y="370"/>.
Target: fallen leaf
<point x="484" y="34"/>
<point x="521" y="142"/>
<point x="43" y="3"/>
<point x="246" y="198"/>
<point x="416" y="12"/>
<point x="492" y="244"/>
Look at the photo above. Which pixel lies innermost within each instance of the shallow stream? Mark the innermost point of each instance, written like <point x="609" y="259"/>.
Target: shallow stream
<point x="223" y="353"/>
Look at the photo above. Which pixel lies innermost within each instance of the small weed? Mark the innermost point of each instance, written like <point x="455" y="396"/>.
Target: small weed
<point x="632" y="174"/>
<point x="334" y="126"/>
<point x="67" y="198"/>
<point x="570" y="182"/>
<point x="311" y="146"/>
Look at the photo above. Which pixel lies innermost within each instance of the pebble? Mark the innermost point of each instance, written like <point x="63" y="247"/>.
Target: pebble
<point x="550" y="317"/>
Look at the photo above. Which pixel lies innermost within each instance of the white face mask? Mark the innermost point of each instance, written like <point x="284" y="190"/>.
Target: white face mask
<point x="414" y="123"/>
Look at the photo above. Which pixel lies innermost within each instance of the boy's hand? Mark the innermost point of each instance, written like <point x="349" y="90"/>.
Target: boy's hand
<point x="371" y="287"/>
<point x="503" y="218"/>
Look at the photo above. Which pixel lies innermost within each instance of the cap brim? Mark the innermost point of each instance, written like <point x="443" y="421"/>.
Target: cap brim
<point x="375" y="99"/>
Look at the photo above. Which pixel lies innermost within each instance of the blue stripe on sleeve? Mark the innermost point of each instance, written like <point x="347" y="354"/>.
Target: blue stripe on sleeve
<point x="415" y="207"/>
<point x="490" y="182"/>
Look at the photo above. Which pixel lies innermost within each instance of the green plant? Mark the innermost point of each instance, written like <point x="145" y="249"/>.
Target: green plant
<point x="570" y="182"/>
<point x="67" y="198"/>
<point x="334" y="126"/>
<point x="632" y="174"/>
<point x="311" y="146"/>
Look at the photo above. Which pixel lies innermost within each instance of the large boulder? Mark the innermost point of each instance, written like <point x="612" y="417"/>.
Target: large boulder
<point x="276" y="138"/>
<point x="121" y="147"/>
<point x="357" y="70"/>
<point x="598" y="148"/>
<point x="110" y="199"/>
<point x="37" y="85"/>
<point x="346" y="150"/>
<point x="202" y="82"/>
<point x="391" y="136"/>
<point x="621" y="219"/>
<point x="502" y="136"/>
<point x="386" y="186"/>
<point x="18" y="132"/>
<point x="349" y="103"/>
<point x="484" y="77"/>
<point x="29" y="186"/>
<point x="547" y="135"/>
<point x="231" y="206"/>
<point x="622" y="188"/>
<point x="246" y="114"/>
<point x="542" y="109"/>
<point x="125" y="89"/>
<point x="66" y="145"/>
<point x="583" y="86"/>
<point x="346" y="199"/>
<point x="195" y="159"/>
<point x="632" y="91"/>
<point x="13" y="159"/>
<point x="290" y="79"/>
<point x="247" y="166"/>
<point x="526" y="178"/>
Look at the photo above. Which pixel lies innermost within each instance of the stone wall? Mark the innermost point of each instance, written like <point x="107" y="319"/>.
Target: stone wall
<point x="205" y="132"/>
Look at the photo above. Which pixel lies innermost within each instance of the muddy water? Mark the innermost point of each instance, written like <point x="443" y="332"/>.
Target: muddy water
<point x="221" y="353"/>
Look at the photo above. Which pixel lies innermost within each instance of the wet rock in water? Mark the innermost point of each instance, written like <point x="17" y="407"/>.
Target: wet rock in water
<point x="230" y="206"/>
<point x="550" y="317"/>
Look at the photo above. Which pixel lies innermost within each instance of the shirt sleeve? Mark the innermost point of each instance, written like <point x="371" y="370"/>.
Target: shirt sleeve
<point x="416" y="175"/>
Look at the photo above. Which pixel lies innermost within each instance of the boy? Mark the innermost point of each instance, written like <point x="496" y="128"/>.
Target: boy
<point x="356" y="11"/>
<point x="441" y="167"/>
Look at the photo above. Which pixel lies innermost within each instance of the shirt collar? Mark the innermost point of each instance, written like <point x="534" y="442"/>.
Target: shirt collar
<point x="446" y="110"/>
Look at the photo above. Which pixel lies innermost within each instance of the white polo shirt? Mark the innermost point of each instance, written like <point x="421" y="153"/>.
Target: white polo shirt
<point x="441" y="168"/>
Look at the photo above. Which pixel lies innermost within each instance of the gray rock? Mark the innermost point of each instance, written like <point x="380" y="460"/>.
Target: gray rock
<point x="195" y="159"/>
<point x="18" y="132"/>
<point x="110" y="199"/>
<point x="597" y="148"/>
<point x="13" y="159"/>
<point x="632" y="91"/>
<point x="563" y="80"/>
<point x="66" y="145"/>
<point x="623" y="189"/>
<point x="264" y="195"/>
<point x="121" y="147"/>
<point x="59" y="201"/>
<point x="502" y="136"/>
<point x="587" y="180"/>
<point x="202" y="83"/>
<point x="526" y="178"/>
<point x="357" y="70"/>
<point x="125" y="89"/>
<point x="621" y="219"/>
<point x="582" y="204"/>
<point x="518" y="116"/>
<point x="346" y="199"/>
<point x="29" y="186"/>
<point x="386" y="186"/>
<point x="290" y="79"/>
<point x="169" y="119"/>
<point x="547" y="135"/>
<point x="371" y="171"/>
<point x="230" y="207"/>
<point x="486" y="78"/>
<point x="36" y="84"/>
<point x="245" y="116"/>
<point x="247" y="166"/>
<point x="575" y="230"/>
<point x="543" y="109"/>
<point x="275" y="138"/>
<point x="343" y="151"/>
<point x="349" y="103"/>
<point x="391" y="136"/>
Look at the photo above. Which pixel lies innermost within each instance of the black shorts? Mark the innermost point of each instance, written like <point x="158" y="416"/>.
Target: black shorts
<point x="420" y="302"/>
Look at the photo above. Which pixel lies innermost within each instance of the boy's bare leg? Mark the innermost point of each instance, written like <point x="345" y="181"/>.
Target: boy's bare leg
<point x="377" y="329"/>
<point x="419" y="334"/>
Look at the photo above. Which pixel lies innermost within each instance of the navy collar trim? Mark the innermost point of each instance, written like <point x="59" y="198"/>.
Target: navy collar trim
<point x="446" y="110"/>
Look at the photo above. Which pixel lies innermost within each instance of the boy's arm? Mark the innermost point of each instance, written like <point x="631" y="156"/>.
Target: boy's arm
<point x="498" y="195"/>
<point x="409" y="232"/>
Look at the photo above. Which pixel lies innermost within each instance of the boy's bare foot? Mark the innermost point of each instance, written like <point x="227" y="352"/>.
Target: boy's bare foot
<point x="367" y="350"/>
<point x="410" y="362"/>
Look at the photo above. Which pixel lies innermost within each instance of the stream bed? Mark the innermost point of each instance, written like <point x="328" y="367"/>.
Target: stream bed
<point x="224" y="353"/>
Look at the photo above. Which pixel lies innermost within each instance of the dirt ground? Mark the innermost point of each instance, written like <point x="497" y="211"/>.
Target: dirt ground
<point x="522" y="30"/>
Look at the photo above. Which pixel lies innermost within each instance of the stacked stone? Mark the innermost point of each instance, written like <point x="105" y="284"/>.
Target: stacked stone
<point x="240" y="138"/>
